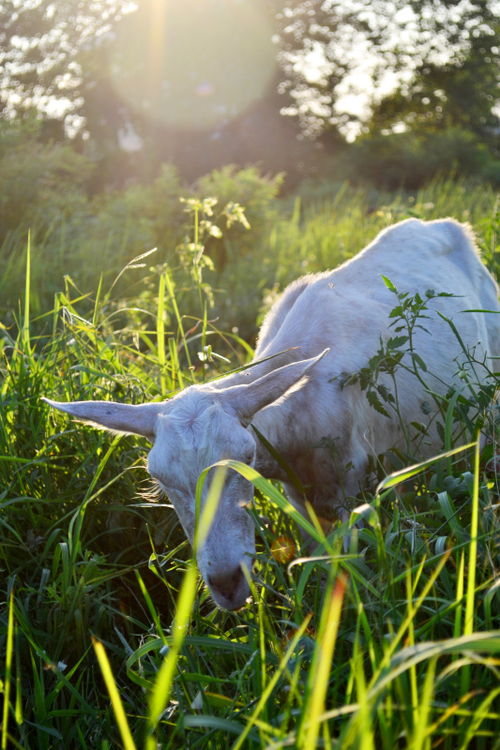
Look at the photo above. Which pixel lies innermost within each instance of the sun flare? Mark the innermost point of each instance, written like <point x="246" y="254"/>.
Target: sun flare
<point x="193" y="64"/>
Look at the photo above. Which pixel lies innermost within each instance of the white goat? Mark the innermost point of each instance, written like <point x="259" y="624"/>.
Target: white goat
<point x="296" y="399"/>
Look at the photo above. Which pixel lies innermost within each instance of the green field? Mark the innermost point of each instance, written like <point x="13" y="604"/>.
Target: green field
<point x="107" y="636"/>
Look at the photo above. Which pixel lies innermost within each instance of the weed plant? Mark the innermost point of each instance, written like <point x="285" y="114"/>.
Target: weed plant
<point x="107" y="638"/>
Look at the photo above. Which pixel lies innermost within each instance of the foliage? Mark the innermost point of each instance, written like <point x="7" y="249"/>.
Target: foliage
<point x="414" y="158"/>
<point x="467" y="406"/>
<point x="39" y="47"/>
<point x="460" y="94"/>
<point x="405" y="38"/>
<point x="90" y="72"/>
<point x="41" y="183"/>
<point x="247" y="188"/>
<point x="78" y="237"/>
<point x="83" y="236"/>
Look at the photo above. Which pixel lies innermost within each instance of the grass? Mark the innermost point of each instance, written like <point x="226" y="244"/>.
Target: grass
<point x="107" y="637"/>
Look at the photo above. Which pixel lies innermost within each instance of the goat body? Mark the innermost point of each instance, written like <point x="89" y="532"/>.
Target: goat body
<point x="324" y="328"/>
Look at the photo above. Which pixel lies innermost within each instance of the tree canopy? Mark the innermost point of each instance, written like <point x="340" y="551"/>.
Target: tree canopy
<point x="188" y="81"/>
<point x="372" y="48"/>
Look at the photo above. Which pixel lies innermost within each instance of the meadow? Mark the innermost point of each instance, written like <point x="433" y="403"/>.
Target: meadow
<point x="107" y="637"/>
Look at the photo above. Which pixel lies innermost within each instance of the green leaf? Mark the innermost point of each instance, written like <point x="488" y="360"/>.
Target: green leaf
<point x="396" y="312"/>
<point x="420" y="427"/>
<point x="396" y="341"/>
<point x="389" y="284"/>
<point x="374" y="400"/>
<point x="420" y="362"/>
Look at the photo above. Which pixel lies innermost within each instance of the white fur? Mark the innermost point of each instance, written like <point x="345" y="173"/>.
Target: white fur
<point x="326" y="432"/>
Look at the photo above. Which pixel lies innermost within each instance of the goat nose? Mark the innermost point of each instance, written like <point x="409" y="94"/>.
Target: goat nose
<point x="226" y="583"/>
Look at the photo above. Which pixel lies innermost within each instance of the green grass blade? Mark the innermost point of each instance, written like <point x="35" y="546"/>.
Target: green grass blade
<point x="471" y="572"/>
<point x="9" y="648"/>
<point x="205" y="512"/>
<point x="322" y="665"/>
<point x="457" y="628"/>
<point x="160" y="693"/>
<point x="160" y="334"/>
<point x="479" y="715"/>
<point x="268" y="489"/>
<point x="488" y="642"/>
<point x="26" y="338"/>
<point x="422" y="709"/>
<point x="271" y="684"/>
<point x="411" y="471"/>
<point x="76" y="523"/>
<point x="171" y="290"/>
<point x="116" y="701"/>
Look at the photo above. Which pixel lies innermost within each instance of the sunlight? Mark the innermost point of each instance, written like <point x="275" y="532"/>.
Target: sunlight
<point x="193" y="64"/>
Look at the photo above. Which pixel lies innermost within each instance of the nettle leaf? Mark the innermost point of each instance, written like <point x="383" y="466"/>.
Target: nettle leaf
<point x="426" y="408"/>
<point x="420" y="362"/>
<point x="374" y="401"/>
<point x="386" y="394"/>
<point x="420" y="427"/>
<point x="389" y="284"/>
<point x="396" y="312"/>
<point x="365" y="378"/>
<point x="345" y="379"/>
<point x="396" y="341"/>
<point x="394" y="359"/>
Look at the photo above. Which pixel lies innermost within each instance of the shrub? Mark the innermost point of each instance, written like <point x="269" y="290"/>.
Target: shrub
<point x="82" y="237"/>
<point x="41" y="182"/>
<point x="411" y="159"/>
<point x="256" y="193"/>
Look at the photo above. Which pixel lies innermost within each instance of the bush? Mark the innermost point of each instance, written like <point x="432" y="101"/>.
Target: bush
<point x="41" y="182"/>
<point x="45" y="191"/>
<point x="256" y="193"/>
<point x="412" y="159"/>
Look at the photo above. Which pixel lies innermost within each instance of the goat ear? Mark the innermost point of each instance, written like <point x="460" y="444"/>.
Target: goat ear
<point x="139" y="420"/>
<point x="247" y="400"/>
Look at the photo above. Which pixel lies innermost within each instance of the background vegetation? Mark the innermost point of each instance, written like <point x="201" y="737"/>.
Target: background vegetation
<point x="416" y="81"/>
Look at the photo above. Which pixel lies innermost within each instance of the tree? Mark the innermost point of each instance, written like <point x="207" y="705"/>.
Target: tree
<point x="40" y="45"/>
<point x="328" y="49"/>
<point x="191" y="82"/>
<point x="461" y="93"/>
<point x="199" y="83"/>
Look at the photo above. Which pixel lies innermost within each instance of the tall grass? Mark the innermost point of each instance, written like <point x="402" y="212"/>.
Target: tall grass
<point x="107" y="637"/>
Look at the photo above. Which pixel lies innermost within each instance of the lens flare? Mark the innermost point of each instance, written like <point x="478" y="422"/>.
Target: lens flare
<point x="193" y="64"/>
